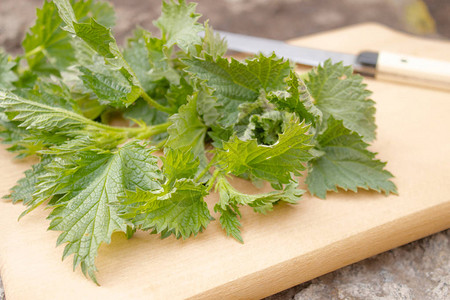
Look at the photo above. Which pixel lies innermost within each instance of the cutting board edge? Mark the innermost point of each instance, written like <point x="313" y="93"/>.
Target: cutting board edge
<point x="369" y="243"/>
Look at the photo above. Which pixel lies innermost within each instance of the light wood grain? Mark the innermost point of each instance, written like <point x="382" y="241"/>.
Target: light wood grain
<point x="290" y="245"/>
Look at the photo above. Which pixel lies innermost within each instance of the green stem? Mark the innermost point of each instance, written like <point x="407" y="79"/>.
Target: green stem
<point x="34" y="51"/>
<point x="137" y="132"/>
<point x="213" y="179"/>
<point x="205" y="170"/>
<point x="161" y="144"/>
<point x="146" y="132"/>
<point x="155" y="104"/>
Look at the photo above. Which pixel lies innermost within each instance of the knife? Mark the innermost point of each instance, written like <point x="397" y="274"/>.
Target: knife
<point x="382" y="65"/>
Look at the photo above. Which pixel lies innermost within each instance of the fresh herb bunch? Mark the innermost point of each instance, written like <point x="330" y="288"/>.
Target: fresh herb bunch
<point x="255" y="119"/>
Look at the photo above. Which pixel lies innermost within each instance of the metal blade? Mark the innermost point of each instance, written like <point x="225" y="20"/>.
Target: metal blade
<point x="301" y="55"/>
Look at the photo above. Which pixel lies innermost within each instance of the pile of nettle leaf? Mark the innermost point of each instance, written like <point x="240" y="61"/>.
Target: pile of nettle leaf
<point x="212" y="117"/>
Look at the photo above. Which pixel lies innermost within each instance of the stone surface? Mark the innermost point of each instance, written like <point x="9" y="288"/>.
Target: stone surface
<point x="420" y="270"/>
<point x="2" y="292"/>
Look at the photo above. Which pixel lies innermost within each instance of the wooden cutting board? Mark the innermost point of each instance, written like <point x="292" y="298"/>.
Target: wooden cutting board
<point x="289" y="246"/>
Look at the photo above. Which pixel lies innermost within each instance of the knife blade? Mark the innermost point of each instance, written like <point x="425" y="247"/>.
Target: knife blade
<point x="381" y="65"/>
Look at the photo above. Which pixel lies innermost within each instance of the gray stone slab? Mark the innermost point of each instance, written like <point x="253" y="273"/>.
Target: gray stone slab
<point x="2" y="291"/>
<point x="419" y="270"/>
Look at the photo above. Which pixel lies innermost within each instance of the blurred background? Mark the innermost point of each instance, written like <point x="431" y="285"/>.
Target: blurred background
<point x="278" y="19"/>
<point x="419" y="270"/>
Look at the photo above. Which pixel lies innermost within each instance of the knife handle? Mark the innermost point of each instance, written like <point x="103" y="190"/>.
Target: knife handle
<point x="408" y="69"/>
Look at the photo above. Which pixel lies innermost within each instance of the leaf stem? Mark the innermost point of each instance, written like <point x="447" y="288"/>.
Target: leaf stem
<point x="146" y="132"/>
<point x="205" y="170"/>
<point x="155" y="104"/>
<point x="34" y="51"/>
<point x="213" y="179"/>
<point x="137" y="132"/>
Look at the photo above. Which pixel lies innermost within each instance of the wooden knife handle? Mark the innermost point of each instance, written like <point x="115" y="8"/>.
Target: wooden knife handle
<point x="413" y="70"/>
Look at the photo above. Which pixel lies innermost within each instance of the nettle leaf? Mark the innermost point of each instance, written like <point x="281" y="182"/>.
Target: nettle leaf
<point x="273" y="163"/>
<point x="137" y="56"/>
<point x="158" y="56"/>
<point x="346" y="163"/>
<point x="296" y="99"/>
<point x="231" y="199"/>
<point x="178" y="94"/>
<point x="265" y="128"/>
<point x="110" y="85"/>
<point x="12" y="134"/>
<point x="156" y="70"/>
<point x="37" y="115"/>
<point x="51" y="94"/>
<point x="342" y="95"/>
<point x="103" y="12"/>
<point x="179" y="163"/>
<point x="61" y="129"/>
<point x="187" y="130"/>
<point x="207" y="106"/>
<point x="178" y="25"/>
<point x="110" y="88"/>
<point x="179" y="210"/>
<point x="86" y="214"/>
<point x="7" y="76"/>
<point x="26" y="186"/>
<point x="117" y="76"/>
<point x="213" y="44"/>
<point x="46" y="180"/>
<point x="47" y="46"/>
<point x="140" y="111"/>
<point x="235" y="82"/>
<point x="150" y="60"/>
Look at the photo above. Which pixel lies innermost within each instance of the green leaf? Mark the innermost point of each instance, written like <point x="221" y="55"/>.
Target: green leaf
<point x="47" y="181"/>
<point x="151" y="60"/>
<point x="26" y="186"/>
<point x="178" y="24"/>
<point x="230" y="221"/>
<point x="265" y="128"/>
<point x="187" y="130"/>
<point x="98" y="37"/>
<point x="47" y="46"/>
<point x="346" y="163"/>
<point x="110" y="85"/>
<point x="141" y="112"/>
<point x="11" y="133"/>
<point x="231" y="199"/>
<point x="7" y="76"/>
<point x="296" y="99"/>
<point x="179" y="163"/>
<point x="46" y="39"/>
<point x="86" y="214"/>
<point x="207" y="106"/>
<point x="64" y="130"/>
<point x="159" y="58"/>
<point x="179" y="210"/>
<point x="137" y="55"/>
<point x="273" y="163"/>
<point x="117" y="75"/>
<point x="342" y="95"/>
<point x="110" y="89"/>
<point x="178" y="94"/>
<point x="103" y="12"/>
<point x="51" y="94"/>
<point x="213" y="44"/>
<point x="235" y="82"/>
<point x="40" y="116"/>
